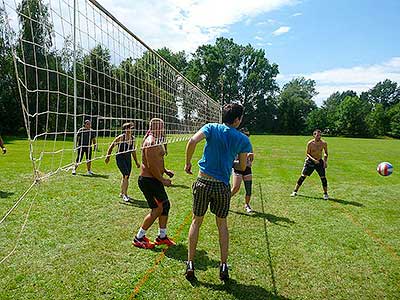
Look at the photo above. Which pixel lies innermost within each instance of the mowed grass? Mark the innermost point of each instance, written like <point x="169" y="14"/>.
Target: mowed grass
<point x="76" y="243"/>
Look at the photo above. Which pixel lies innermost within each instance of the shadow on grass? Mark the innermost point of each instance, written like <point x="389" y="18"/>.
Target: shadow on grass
<point x="344" y="202"/>
<point x="95" y="175"/>
<point x="5" y="194"/>
<point x="136" y="203"/>
<point x="179" y="252"/>
<point x="182" y="186"/>
<point x="241" y="291"/>
<point x="270" y="217"/>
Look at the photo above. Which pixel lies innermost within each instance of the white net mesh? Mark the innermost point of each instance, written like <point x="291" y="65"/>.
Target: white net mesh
<point x="76" y="62"/>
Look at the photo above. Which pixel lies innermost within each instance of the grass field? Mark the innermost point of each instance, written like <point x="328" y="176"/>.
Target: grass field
<point x="77" y="240"/>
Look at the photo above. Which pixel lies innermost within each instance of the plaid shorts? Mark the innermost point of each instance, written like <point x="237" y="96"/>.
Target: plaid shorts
<point x="215" y="193"/>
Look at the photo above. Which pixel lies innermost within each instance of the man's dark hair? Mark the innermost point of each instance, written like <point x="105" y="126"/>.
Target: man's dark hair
<point x="230" y="112"/>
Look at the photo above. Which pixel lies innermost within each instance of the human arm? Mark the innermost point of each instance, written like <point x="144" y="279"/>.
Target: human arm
<point x="94" y="144"/>
<point x="111" y="147"/>
<point x="190" y="148"/>
<point x="325" y="155"/>
<point x="241" y="163"/>
<point x="135" y="158"/>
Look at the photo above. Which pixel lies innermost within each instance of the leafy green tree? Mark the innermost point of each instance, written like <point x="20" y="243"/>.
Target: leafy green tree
<point x="177" y="60"/>
<point x="393" y="115"/>
<point x="229" y="72"/>
<point x="377" y="120"/>
<point x="294" y="104"/>
<point x="330" y="108"/>
<point x="352" y="114"/>
<point x="386" y="93"/>
<point x="317" y="119"/>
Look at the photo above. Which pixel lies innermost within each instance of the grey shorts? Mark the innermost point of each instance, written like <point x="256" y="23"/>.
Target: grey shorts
<point x="215" y="193"/>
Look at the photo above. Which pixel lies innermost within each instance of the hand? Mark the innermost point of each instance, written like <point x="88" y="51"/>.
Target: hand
<point x="188" y="168"/>
<point x="95" y="147"/>
<point x="167" y="182"/>
<point x="250" y="156"/>
<point x="137" y="165"/>
<point x="316" y="162"/>
<point x="169" y="173"/>
<point x="4" y="150"/>
<point x="107" y="159"/>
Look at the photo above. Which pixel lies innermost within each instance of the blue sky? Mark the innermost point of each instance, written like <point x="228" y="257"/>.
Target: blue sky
<point x="341" y="44"/>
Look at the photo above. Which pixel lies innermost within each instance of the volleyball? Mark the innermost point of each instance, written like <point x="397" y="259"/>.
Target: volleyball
<point x="385" y="169"/>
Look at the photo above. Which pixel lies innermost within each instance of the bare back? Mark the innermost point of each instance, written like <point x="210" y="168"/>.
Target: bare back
<point x="152" y="159"/>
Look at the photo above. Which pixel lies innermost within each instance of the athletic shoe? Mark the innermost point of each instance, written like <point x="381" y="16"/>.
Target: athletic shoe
<point x="293" y="194"/>
<point x="90" y="173"/>
<point x="73" y="172"/>
<point x="223" y="272"/>
<point x="144" y="243"/>
<point x="326" y="197"/>
<point x="164" y="241"/>
<point x="126" y="198"/>
<point x="248" y="208"/>
<point x="189" y="273"/>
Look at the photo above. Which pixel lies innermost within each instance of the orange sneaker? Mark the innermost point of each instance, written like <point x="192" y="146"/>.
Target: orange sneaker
<point x="144" y="243"/>
<point x="164" y="241"/>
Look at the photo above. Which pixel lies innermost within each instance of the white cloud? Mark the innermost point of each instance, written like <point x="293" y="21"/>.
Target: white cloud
<point x="258" y="38"/>
<point x="358" y="78"/>
<point x="281" y="30"/>
<point x="186" y="24"/>
<point x="297" y="14"/>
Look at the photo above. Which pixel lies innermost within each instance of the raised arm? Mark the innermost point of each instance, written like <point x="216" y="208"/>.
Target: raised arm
<point x="190" y="148"/>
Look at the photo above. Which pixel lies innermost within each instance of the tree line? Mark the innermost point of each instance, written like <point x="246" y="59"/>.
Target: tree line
<point x="225" y="70"/>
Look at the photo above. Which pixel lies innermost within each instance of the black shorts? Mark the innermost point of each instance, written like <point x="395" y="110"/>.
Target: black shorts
<point x="84" y="150"/>
<point x="124" y="163"/>
<point x="153" y="190"/>
<point x="215" y="193"/>
<point x="310" y="166"/>
<point x="244" y="173"/>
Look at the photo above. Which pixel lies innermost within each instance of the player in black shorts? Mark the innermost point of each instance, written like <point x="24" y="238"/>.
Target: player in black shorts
<point x="314" y="161"/>
<point x="151" y="182"/>
<point x="85" y="138"/>
<point x="245" y="176"/>
<point x="126" y="149"/>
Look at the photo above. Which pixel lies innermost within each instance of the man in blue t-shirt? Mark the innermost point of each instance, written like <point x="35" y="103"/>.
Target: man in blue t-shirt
<point x="223" y="143"/>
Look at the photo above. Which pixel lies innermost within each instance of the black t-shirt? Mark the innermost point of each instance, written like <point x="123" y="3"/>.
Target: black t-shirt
<point x="85" y="136"/>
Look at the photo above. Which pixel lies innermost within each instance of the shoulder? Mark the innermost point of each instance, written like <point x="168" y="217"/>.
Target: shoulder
<point x="310" y="142"/>
<point x="325" y="143"/>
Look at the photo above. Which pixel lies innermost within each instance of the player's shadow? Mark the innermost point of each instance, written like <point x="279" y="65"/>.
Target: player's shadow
<point x="182" y="186"/>
<point x="96" y="176"/>
<point x="136" y="203"/>
<point x="241" y="291"/>
<point x="344" y="202"/>
<point x="179" y="252"/>
<point x="270" y="217"/>
<point x="5" y="194"/>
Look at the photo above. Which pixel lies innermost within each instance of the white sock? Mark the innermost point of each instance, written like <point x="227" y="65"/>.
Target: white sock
<point x="162" y="232"/>
<point x="141" y="233"/>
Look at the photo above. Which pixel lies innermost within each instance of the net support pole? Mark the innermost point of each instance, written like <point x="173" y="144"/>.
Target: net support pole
<point x="74" y="70"/>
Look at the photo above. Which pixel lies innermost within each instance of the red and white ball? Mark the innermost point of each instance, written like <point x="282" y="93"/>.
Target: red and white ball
<point x="385" y="168"/>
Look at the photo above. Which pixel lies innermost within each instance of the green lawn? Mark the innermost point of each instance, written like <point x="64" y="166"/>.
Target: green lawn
<point x="76" y="243"/>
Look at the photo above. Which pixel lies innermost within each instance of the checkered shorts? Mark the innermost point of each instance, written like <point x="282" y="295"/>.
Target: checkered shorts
<point x="215" y="193"/>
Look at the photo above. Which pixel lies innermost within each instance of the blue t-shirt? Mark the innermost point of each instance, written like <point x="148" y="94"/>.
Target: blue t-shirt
<point x="223" y="143"/>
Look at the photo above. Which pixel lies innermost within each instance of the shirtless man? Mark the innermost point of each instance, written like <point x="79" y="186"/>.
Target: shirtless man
<point x="151" y="183"/>
<point x="314" y="161"/>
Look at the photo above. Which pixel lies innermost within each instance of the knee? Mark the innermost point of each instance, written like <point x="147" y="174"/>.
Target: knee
<point x="301" y="179"/>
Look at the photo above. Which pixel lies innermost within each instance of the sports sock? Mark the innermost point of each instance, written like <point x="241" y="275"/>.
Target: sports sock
<point x="162" y="232"/>
<point x="141" y="233"/>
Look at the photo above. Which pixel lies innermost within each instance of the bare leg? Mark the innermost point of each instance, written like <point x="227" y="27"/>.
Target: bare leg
<point x="151" y="217"/>
<point x="124" y="185"/>
<point x="223" y="238"/>
<point x="194" y="236"/>
<point x="89" y="165"/>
